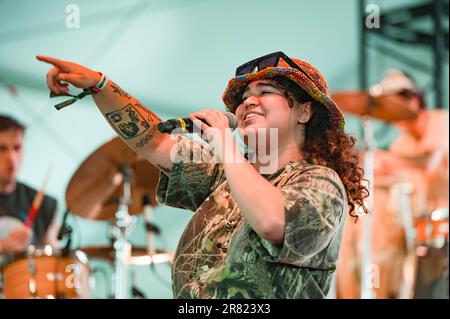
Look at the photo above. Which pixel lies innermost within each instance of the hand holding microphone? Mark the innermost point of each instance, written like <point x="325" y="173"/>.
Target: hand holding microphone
<point x="216" y="129"/>
<point x="187" y="124"/>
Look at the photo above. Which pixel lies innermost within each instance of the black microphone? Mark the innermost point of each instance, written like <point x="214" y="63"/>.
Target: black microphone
<point x="186" y="124"/>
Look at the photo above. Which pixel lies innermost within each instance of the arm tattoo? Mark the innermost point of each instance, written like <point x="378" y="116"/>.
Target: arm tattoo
<point x="147" y="138"/>
<point x="152" y="118"/>
<point x="151" y="115"/>
<point x="119" y="91"/>
<point x="127" y="122"/>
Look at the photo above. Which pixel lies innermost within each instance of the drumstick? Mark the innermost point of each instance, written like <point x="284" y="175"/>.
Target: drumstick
<point x="37" y="201"/>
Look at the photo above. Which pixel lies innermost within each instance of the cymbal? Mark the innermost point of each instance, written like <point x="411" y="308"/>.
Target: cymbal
<point x="139" y="255"/>
<point x="96" y="187"/>
<point x="387" y="107"/>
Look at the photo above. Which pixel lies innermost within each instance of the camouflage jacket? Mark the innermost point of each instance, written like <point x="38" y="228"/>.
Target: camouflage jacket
<point x="220" y="256"/>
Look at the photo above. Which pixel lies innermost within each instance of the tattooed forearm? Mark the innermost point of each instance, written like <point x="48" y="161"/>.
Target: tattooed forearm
<point x="127" y="122"/>
<point x="118" y="90"/>
<point x="133" y="120"/>
<point x="147" y="138"/>
<point x="151" y="115"/>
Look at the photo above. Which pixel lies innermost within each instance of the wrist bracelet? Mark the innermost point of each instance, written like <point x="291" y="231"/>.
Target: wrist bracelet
<point x="92" y="90"/>
<point x="73" y="99"/>
<point x="100" y="85"/>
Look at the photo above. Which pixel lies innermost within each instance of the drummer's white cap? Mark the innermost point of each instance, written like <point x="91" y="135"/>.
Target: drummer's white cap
<point x="394" y="81"/>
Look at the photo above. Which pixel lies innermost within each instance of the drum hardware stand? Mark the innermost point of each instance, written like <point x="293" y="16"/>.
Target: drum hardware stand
<point x="149" y="226"/>
<point x="120" y="230"/>
<point x="410" y="265"/>
<point x="405" y="189"/>
<point x="32" y="268"/>
<point x="366" y="261"/>
<point x="66" y="230"/>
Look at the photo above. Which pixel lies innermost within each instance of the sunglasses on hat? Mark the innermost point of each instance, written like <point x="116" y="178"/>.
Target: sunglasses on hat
<point x="266" y="61"/>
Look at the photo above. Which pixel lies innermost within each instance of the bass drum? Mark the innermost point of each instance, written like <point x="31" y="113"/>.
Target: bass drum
<point x="45" y="272"/>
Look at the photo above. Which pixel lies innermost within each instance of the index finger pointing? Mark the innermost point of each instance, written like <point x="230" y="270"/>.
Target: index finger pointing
<point x="56" y="62"/>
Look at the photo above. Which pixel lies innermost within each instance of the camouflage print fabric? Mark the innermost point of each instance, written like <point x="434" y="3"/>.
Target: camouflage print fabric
<point x="220" y="256"/>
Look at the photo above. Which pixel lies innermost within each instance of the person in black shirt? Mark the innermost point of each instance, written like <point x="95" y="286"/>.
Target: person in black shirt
<point x="16" y="198"/>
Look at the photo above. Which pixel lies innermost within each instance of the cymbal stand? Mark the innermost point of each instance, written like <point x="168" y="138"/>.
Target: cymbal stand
<point x="120" y="230"/>
<point x="368" y="271"/>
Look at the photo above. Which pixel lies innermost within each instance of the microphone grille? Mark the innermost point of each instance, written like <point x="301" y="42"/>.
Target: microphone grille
<point x="232" y="120"/>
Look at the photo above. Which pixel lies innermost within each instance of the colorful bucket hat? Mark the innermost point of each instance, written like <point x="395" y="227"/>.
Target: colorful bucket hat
<point x="308" y="78"/>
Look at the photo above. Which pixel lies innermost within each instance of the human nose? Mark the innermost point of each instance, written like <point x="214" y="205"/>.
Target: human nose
<point x="249" y="103"/>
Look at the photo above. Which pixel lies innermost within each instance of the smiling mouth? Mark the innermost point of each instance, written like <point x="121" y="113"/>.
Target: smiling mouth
<point x="249" y="117"/>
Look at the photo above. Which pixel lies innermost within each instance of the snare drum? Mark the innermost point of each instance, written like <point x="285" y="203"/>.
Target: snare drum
<point x="432" y="250"/>
<point x="45" y="272"/>
<point x="432" y="230"/>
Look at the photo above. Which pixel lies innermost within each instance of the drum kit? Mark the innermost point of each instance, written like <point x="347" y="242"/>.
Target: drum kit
<point x="380" y="258"/>
<point x="113" y="184"/>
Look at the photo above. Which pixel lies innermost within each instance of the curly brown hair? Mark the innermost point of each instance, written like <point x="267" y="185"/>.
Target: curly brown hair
<point x="330" y="147"/>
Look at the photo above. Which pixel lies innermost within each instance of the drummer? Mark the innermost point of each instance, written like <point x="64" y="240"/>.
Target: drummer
<point x="421" y="154"/>
<point x="417" y="157"/>
<point x="423" y="142"/>
<point x="16" y="198"/>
